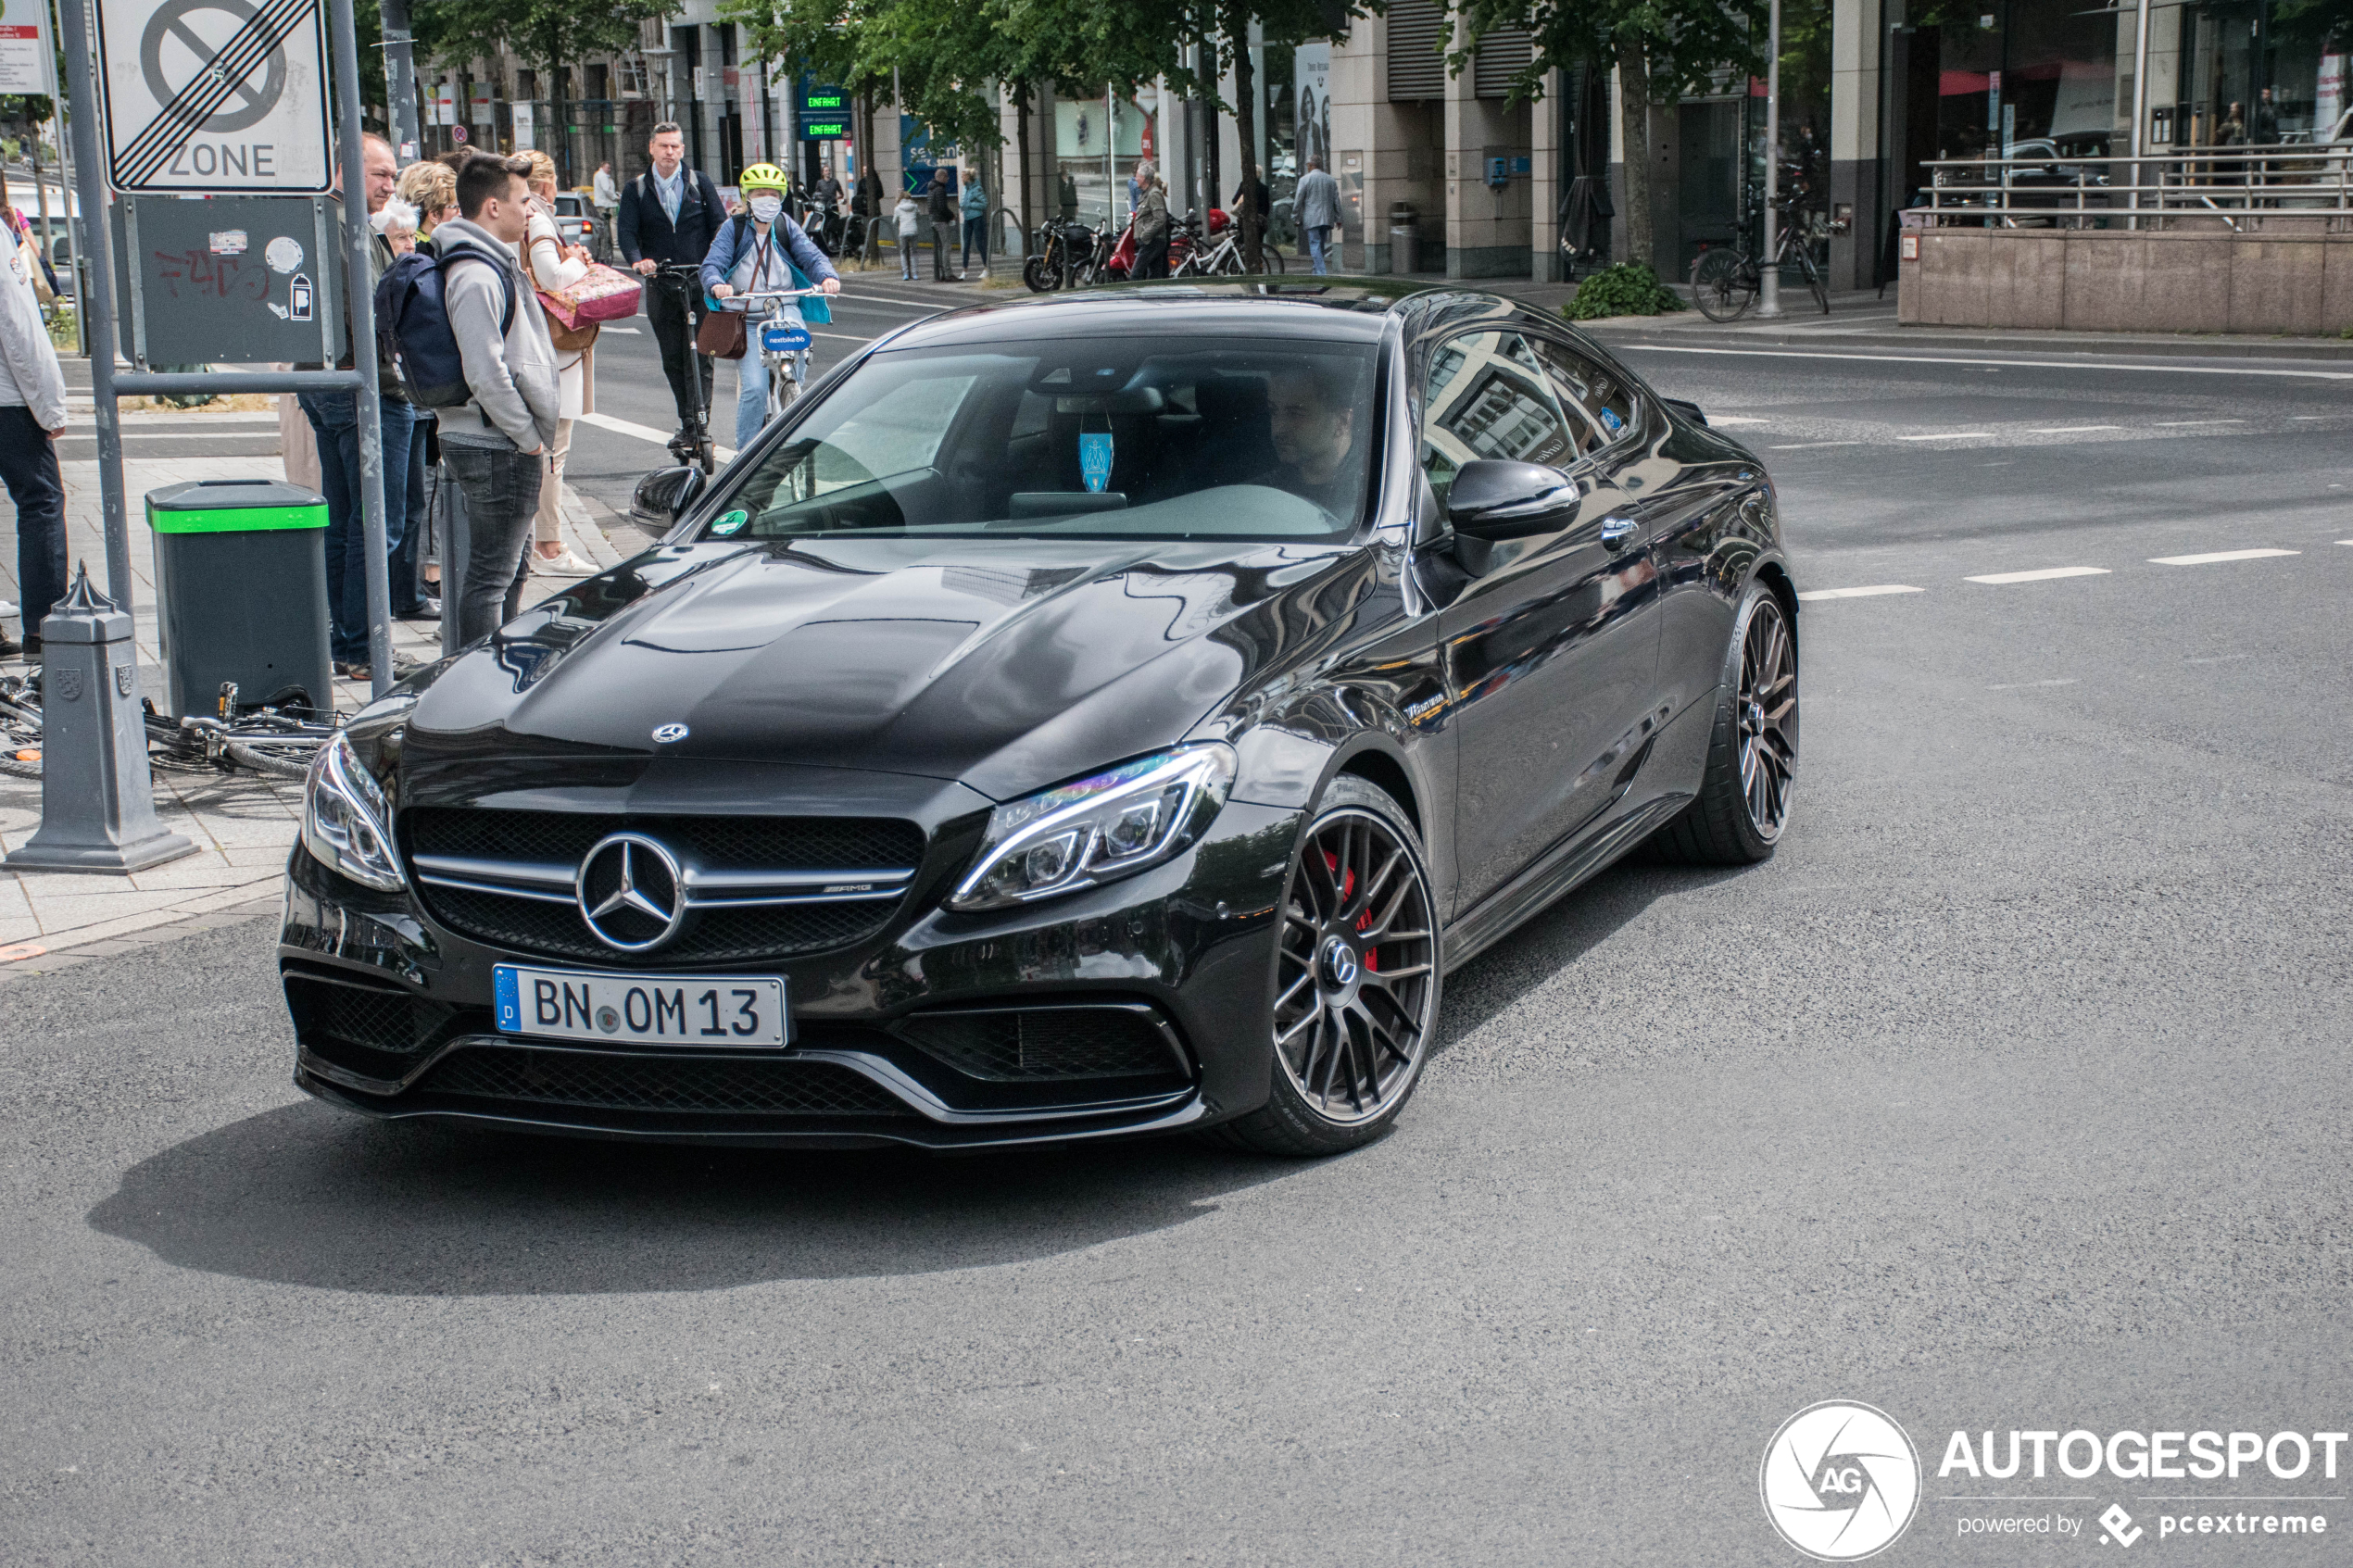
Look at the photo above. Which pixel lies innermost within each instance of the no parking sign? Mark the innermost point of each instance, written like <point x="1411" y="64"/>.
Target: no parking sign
<point x="215" y="96"/>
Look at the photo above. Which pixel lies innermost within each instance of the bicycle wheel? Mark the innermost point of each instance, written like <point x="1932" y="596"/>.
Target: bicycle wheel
<point x="1723" y="286"/>
<point x="287" y="759"/>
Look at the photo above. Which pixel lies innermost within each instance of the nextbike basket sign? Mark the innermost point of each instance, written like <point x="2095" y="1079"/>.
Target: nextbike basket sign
<point x="221" y="97"/>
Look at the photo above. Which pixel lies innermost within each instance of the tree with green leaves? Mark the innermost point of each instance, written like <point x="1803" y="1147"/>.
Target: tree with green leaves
<point x="1663" y="49"/>
<point x="549" y="36"/>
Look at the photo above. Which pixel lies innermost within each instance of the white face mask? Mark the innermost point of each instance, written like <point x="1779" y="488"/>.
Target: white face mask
<point x="765" y="208"/>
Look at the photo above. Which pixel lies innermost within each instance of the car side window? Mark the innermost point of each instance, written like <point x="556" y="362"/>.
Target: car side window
<point x="1589" y="389"/>
<point x="1487" y="396"/>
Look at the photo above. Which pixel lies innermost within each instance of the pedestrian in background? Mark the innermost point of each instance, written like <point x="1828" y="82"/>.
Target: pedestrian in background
<point x="669" y="214"/>
<point x="432" y="188"/>
<point x="1067" y="196"/>
<point x="941" y="209"/>
<point x="555" y="266"/>
<point x="1152" y="227"/>
<point x="32" y="414"/>
<point x="1318" y="204"/>
<point x="496" y="443"/>
<point x="397" y="223"/>
<point x="909" y="217"/>
<point x="974" y="204"/>
<point x="605" y="196"/>
<point x="335" y="420"/>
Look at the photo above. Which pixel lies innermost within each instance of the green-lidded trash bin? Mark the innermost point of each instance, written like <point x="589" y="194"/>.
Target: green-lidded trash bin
<point x="241" y="593"/>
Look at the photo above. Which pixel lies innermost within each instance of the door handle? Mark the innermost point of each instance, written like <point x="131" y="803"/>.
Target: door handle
<point x="1617" y="530"/>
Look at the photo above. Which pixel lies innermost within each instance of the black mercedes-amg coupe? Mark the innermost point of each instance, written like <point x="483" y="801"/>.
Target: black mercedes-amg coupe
<point x="1077" y="717"/>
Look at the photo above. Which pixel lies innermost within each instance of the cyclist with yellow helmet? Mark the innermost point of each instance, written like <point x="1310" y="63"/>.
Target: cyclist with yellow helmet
<point x="762" y="248"/>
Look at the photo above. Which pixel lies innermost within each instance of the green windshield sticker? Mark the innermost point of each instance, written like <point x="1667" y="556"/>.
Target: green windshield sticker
<point x="729" y="523"/>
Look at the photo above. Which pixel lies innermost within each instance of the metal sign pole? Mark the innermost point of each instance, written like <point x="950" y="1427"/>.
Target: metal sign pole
<point x="1768" y="301"/>
<point x="359" y="300"/>
<point x="400" y="80"/>
<point x="95" y="292"/>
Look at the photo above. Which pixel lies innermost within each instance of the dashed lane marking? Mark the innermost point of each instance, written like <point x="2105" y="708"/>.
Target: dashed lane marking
<point x="1952" y="435"/>
<point x="2074" y="430"/>
<point x="2029" y="685"/>
<point x="1812" y="446"/>
<point x="2212" y="555"/>
<point x="2177" y="424"/>
<point x="2046" y="575"/>
<point x="1872" y="592"/>
<point x="2144" y="367"/>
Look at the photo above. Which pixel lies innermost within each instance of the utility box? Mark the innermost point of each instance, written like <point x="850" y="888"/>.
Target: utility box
<point x="241" y="593"/>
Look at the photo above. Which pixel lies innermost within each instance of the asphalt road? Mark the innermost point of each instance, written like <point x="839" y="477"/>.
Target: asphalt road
<point x="2011" y="1095"/>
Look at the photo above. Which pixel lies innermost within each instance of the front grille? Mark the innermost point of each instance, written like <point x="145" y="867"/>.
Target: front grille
<point x="714" y="934"/>
<point x="767" y="1085"/>
<point x="1050" y="1043"/>
<point x="376" y="1032"/>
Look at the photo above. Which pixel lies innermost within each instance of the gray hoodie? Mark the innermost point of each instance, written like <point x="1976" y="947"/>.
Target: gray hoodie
<point x="516" y="393"/>
<point x="30" y="376"/>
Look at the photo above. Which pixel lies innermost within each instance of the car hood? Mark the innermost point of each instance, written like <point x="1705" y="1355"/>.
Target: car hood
<point x="1006" y="664"/>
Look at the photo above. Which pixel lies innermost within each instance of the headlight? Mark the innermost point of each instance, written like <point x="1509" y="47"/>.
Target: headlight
<point x="345" y="820"/>
<point x="1099" y="828"/>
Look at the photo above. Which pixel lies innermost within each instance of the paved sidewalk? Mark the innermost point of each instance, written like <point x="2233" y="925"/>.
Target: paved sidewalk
<point x="241" y="823"/>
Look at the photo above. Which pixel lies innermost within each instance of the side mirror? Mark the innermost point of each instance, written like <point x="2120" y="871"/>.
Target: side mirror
<point x="662" y="494"/>
<point x="1686" y="407"/>
<point x="1494" y="498"/>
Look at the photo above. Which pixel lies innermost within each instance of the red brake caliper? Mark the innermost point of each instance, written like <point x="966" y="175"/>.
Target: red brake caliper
<point x="1347" y="887"/>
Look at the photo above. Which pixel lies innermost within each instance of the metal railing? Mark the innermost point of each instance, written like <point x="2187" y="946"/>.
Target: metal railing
<point x="2242" y="187"/>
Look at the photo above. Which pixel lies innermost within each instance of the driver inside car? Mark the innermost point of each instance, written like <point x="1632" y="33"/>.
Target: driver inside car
<point x="1312" y="428"/>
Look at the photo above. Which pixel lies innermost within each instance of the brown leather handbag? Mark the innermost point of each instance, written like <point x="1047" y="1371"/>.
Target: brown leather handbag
<point x="720" y="336"/>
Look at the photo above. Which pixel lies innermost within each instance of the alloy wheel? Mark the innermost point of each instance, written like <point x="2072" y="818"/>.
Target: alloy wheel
<point x="1355" y="975"/>
<point x="1767" y="718"/>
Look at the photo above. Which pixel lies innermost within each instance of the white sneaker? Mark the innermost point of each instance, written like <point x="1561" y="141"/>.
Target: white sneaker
<point x="565" y="565"/>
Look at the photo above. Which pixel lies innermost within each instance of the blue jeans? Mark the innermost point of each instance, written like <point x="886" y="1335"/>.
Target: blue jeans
<point x="335" y="417"/>
<point x="29" y="468"/>
<point x="1319" y="243"/>
<point x="751" y="393"/>
<point x="975" y="239"/>
<point x="501" y="487"/>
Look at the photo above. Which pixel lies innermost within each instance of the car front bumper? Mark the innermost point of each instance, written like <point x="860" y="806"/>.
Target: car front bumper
<point x="1137" y="1007"/>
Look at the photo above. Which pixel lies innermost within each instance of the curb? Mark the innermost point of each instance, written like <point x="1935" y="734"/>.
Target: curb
<point x="1830" y="342"/>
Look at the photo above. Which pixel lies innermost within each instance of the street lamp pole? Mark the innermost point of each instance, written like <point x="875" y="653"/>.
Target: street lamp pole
<point x="1768" y="301"/>
<point x="2140" y="102"/>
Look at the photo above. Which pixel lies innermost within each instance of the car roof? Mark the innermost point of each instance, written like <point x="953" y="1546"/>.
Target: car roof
<point x="1357" y="309"/>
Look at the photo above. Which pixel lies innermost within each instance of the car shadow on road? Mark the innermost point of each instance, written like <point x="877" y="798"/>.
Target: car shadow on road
<point x="1560" y="936"/>
<point x="303" y="1194"/>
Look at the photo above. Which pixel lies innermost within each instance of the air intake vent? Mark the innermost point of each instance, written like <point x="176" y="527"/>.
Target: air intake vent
<point x="1502" y="56"/>
<point x="761" y="1087"/>
<point x="1044" y="1044"/>
<point x="1418" y="36"/>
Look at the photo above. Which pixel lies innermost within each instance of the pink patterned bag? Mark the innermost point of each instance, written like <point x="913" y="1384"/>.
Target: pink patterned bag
<point x="606" y="293"/>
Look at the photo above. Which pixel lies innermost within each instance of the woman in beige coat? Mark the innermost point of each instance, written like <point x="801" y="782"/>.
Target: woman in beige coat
<point x="554" y="265"/>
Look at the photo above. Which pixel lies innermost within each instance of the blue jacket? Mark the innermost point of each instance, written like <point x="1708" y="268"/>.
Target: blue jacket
<point x="809" y="264"/>
<point x="974" y="201"/>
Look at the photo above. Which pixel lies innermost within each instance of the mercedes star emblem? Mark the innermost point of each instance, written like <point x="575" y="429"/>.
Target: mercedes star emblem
<point x="668" y="732"/>
<point x="631" y="893"/>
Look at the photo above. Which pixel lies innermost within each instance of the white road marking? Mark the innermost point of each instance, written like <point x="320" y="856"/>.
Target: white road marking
<point x="2218" y="555"/>
<point x="626" y="331"/>
<point x="2020" y="364"/>
<point x="2047" y="574"/>
<point x="2177" y="424"/>
<point x="2072" y="430"/>
<point x="1729" y="419"/>
<point x="1812" y="446"/>
<point x="647" y="432"/>
<point x="1952" y="435"/>
<point x="2029" y="685"/>
<point x="1870" y="592"/>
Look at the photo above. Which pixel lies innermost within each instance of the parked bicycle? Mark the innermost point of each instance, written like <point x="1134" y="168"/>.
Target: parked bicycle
<point x="1725" y="283"/>
<point x="1223" y="259"/>
<point x="280" y="742"/>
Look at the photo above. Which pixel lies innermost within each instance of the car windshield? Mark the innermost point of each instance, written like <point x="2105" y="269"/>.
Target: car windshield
<point x="1128" y="438"/>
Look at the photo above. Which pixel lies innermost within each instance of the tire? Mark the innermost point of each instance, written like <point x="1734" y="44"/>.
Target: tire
<point x="1369" y="1016"/>
<point x="1743" y="806"/>
<point x="278" y="758"/>
<point x="1040" y="277"/>
<point x="1721" y="286"/>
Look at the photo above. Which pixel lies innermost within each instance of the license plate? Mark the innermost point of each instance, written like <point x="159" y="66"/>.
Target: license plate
<point x="729" y="1011"/>
<point x="784" y="340"/>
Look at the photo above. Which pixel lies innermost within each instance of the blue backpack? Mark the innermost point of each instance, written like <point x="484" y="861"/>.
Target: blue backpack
<point x="412" y="326"/>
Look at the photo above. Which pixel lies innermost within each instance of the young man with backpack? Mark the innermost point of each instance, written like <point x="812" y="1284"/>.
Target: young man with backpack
<point x="495" y="442"/>
<point x="672" y="213"/>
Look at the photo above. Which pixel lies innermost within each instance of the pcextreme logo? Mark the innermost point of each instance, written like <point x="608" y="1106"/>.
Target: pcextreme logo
<point x="1841" y="1481"/>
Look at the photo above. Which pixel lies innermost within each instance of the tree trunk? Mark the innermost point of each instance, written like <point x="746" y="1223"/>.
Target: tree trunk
<point x="1634" y="132"/>
<point x="1021" y="140"/>
<point x="1246" y="135"/>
